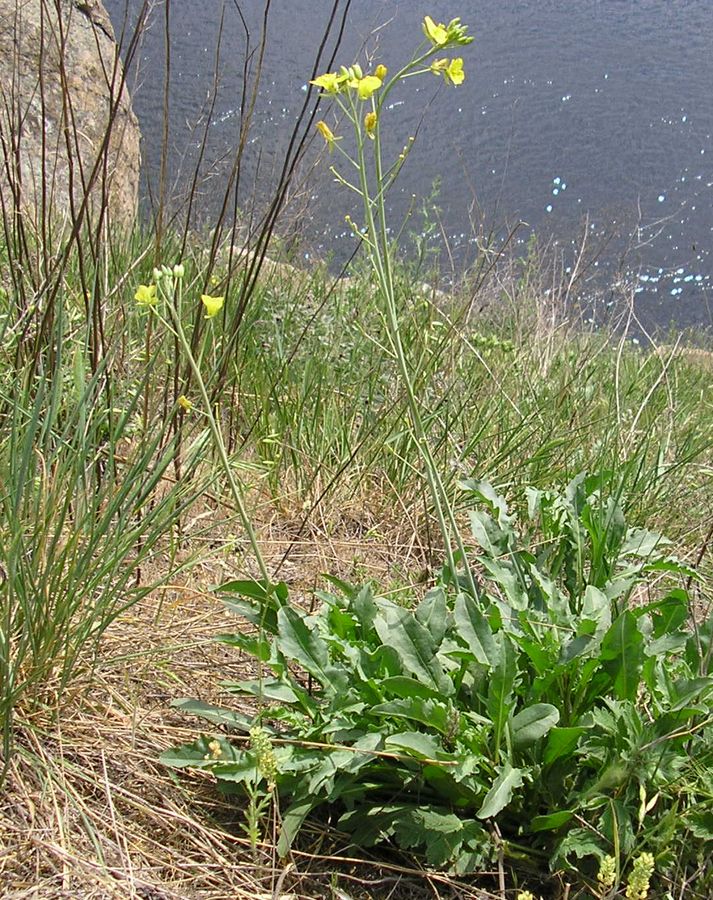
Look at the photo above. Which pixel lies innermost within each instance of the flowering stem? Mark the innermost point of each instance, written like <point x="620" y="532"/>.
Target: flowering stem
<point x="380" y="253"/>
<point x="217" y="435"/>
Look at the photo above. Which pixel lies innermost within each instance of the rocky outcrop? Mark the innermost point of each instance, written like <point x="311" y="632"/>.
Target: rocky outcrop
<point x="66" y="123"/>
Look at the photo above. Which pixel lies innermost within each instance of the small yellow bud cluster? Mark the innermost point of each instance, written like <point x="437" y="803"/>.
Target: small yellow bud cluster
<point x="215" y="751"/>
<point x="352" y="78"/>
<point x="147" y="294"/>
<point x="607" y="873"/>
<point x="441" y="35"/>
<point x="261" y="746"/>
<point x="640" y="877"/>
<point x="525" y="895"/>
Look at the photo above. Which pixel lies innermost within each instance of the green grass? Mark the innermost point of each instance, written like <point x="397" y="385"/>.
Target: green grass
<point x="99" y="467"/>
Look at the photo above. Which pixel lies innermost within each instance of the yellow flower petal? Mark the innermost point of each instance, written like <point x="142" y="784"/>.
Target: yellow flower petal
<point x="451" y="69"/>
<point x="329" y="82"/>
<point x="185" y="403"/>
<point x="381" y="72"/>
<point x="455" y="73"/>
<point x="370" y="120"/>
<point x="327" y="134"/>
<point x="146" y="295"/>
<point x="213" y="305"/>
<point x="367" y="85"/>
<point x="436" y="34"/>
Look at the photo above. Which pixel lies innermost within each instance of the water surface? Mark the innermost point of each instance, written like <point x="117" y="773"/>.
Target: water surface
<point x="596" y="112"/>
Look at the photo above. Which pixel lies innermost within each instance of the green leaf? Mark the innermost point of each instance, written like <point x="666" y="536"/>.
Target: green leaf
<point x="304" y="645"/>
<point x="500" y="793"/>
<point x="494" y="541"/>
<point x="690" y="690"/>
<point x="487" y="493"/>
<point x="670" y="614"/>
<point x="616" y="825"/>
<point x="291" y="823"/>
<point x="551" y="822"/>
<point x="562" y="742"/>
<point x="406" y="687"/>
<point x="596" y="607"/>
<point x="642" y="543"/>
<point x="532" y="723"/>
<point x="672" y="566"/>
<point x="227" y="717"/>
<point x="474" y="629"/>
<point x="349" y="590"/>
<point x="187" y="755"/>
<point x="540" y="657"/>
<point x="262" y="617"/>
<point x="500" y="687"/>
<point x="398" y="628"/>
<point x="416" y="743"/>
<point x="248" y="643"/>
<point x="427" y="712"/>
<point x="503" y="575"/>
<point x="198" y="755"/>
<point x="622" y="656"/>
<point x="257" y="590"/>
<point x="701" y="824"/>
<point x="363" y="606"/>
<point x="267" y="689"/>
<point x="439" y="831"/>
<point x="579" y="843"/>
<point x="432" y="613"/>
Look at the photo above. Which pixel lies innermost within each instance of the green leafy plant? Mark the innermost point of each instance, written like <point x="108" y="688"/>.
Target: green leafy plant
<point x="556" y="713"/>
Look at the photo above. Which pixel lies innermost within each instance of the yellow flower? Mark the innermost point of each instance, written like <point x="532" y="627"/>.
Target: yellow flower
<point x="381" y="72"/>
<point x="370" y="120"/>
<point x="436" y="34"/>
<point x="366" y="86"/>
<point x="329" y="82"/>
<point x="213" y="305"/>
<point x="185" y="403"/>
<point x="607" y="872"/>
<point x="451" y="69"/>
<point x="327" y="134"/>
<point x="266" y="762"/>
<point x="454" y="73"/>
<point x="445" y="35"/>
<point x="640" y="877"/>
<point x="146" y="295"/>
<point x="215" y="751"/>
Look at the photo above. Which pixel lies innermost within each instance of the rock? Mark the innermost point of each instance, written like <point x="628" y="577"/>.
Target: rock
<point x="40" y="51"/>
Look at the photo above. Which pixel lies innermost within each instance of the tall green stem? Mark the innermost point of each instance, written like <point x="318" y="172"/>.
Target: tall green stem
<point x="380" y="254"/>
<point x="217" y="435"/>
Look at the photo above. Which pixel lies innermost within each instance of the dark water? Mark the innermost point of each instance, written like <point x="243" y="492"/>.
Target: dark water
<point x="595" y="111"/>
